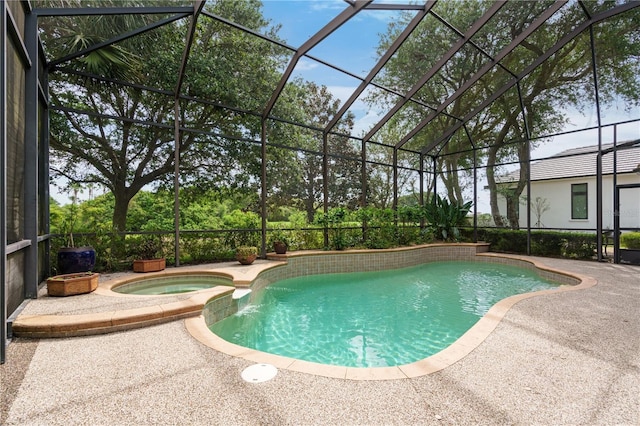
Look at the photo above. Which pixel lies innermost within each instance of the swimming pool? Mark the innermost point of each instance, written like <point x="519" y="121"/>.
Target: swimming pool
<point x="173" y="284"/>
<point x="374" y="319"/>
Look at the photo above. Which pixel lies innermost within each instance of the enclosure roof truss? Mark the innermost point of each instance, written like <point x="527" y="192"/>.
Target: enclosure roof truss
<point x="421" y="11"/>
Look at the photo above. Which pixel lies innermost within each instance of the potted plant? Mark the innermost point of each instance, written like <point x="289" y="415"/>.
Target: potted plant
<point x="246" y="255"/>
<point x="72" y="284"/>
<point x="280" y="241"/>
<point x="149" y="253"/>
<point x="72" y="259"/>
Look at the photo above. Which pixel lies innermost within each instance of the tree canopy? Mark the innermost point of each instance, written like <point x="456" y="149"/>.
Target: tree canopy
<point x="136" y="147"/>
<point x="501" y="132"/>
<point x="295" y="175"/>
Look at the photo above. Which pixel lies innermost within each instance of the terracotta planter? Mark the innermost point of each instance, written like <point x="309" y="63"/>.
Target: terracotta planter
<point x="71" y="284"/>
<point x="279" y="247"/>
<point x="246" y="259"/>
<point x="149" y="265"/>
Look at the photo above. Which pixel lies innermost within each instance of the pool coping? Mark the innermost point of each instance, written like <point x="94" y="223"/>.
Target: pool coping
<point x="464" y="345"/>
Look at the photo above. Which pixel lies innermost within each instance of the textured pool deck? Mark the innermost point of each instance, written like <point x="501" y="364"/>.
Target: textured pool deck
<point x="560" y="358"/>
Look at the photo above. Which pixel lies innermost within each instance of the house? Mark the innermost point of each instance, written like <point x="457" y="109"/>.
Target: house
<point x="563" y="189"/>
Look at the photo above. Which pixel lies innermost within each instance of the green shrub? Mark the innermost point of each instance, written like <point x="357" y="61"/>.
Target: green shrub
<point x="571" y="245"/>
<point x="409" y="229"/>
<point x="245" y="229"/>
<point x="501" y="240"/>
<point x="146" y="247"/>
<point x="548" y="243"/>
<point x="381" y="231"/>
<point x="334" y="221"/>
<point x="197" y="247"/>
<point x="579" y="246"/>
<point x="630" y="240"/>
<point x="308" y="239"/>
<point x="408" y="235"/>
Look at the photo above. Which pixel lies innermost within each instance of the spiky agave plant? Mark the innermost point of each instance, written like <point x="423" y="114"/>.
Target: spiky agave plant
<point x="445" y="217"/>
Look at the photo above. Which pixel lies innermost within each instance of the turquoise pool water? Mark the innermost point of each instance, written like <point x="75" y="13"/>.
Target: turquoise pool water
<point x="172" y="284"/>
<point x="374" y="319"/>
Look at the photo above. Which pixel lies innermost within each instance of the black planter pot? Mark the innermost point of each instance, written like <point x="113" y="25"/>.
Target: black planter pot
<point x="631" y="256"/>
<point x="76" y="259"/>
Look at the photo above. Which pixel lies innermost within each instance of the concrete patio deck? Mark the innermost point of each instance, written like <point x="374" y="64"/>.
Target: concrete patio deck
<point x="562" y="358"/>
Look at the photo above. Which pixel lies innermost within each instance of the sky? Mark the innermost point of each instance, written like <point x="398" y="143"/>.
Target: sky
<point x="352" y="47"/>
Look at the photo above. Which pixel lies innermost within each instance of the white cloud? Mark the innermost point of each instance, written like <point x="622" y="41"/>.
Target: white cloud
<point x="384" y="16"/>
<point x="365" y="116"/>
<point x="342" y="92"/>
<point x="306" y="65"/>
<point x="365" y="123"/>
<point x="320" y="5"/>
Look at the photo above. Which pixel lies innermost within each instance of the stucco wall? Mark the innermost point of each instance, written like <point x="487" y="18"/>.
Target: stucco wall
<point x="558" y="196"/>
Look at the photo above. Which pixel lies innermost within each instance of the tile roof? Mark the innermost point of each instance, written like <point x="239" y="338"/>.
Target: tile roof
<point x="577" y="162"/>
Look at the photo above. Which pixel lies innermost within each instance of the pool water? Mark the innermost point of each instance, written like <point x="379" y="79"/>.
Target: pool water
<point x="374" y="319"/>
<point x="172" y="285"/>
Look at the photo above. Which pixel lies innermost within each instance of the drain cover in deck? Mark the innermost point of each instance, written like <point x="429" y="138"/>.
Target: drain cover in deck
<point x="259" y="373"/>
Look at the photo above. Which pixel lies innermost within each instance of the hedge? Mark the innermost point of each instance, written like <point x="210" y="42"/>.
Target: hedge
<point x="571" y="245"/>
<point x="630" y="240"/>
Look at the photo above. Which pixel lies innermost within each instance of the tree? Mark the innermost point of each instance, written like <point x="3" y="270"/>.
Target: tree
<point x="564" y="80"/>
<point x="540" y="206"/>
<point x="380" y="178"/>
<point x="297" y="175"/>
<point x="135" y="147"/>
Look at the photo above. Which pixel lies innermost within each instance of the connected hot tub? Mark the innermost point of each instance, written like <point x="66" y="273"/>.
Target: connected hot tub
<point x="172" y="284"/>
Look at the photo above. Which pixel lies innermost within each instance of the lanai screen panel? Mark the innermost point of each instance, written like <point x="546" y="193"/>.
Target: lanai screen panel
<point x="15" y="127"/>
<point x="344" y="175"/>
<point x="630" y="208"/>
<point x="446" y="92"/>
<point x="407" y="116"/>
<point x="313" y="89"/>
<point x="68" y="39"/>
<point x="229" y="64"/>
<point x="419" y="53"/>
<point x="413" y="59"/>
<point x="354" y="55"/>
<point x="409" y="176"/>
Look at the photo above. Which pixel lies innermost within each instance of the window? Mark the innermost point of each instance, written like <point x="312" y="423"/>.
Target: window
<point x="579" y="201"/>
